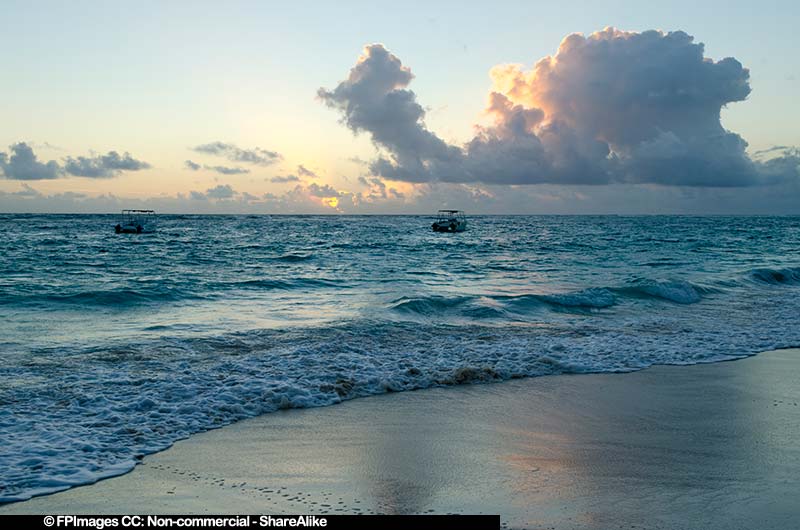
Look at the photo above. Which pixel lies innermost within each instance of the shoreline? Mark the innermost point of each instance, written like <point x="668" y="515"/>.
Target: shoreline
<point x="665" y="447"/>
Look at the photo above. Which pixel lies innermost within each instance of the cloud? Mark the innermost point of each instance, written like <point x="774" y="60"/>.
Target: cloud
<point x="23" y="165"/>
<point x="324" y="190"/>
<point x="302" y="173"/>
<point x="45" y="145"/>
<point x="222" y="170"/>
<point x="312" y="198"/>
<point x="378" y="190"/>
<point x="373" y="99"/>
<point x="284" y="179"/>
<point x="256" y="156"/>
<point x="378" y="196"/>
<point x="222" y="191"/>
<point x="358" y="161"/>
<point x="27" y="191"/>
<point x="305" y="172"/>
<point x="613" y="107"/>
<point x="70" y="195"/>
<point x="103" y="166"/>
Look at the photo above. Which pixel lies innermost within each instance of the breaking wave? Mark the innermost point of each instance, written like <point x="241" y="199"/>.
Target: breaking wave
<point x="595" y="298"/>
<point x="787" y="276"/>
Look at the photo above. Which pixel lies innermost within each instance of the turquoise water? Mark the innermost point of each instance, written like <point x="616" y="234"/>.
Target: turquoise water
<point x="115" y="346"/>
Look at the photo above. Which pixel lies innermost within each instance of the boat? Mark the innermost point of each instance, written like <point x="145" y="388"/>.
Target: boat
<point x="450" y="221"/>
<point x="136" y="222"/>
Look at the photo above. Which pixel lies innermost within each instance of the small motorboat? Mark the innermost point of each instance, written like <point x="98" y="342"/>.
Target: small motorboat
<point x="450" y="221"/>
<point x="136" y="222"/>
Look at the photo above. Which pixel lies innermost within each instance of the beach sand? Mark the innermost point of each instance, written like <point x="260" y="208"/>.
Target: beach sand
<point x="704" y="446"/>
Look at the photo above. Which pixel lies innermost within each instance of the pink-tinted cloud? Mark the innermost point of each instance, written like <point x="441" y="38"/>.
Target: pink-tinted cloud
<point x="613" y="107"/>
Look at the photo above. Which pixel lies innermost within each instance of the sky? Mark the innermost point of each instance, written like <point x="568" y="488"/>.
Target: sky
<point x="385" y="107"/>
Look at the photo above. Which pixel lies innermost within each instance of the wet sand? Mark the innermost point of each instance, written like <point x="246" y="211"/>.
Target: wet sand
<point x="704" y="446"/>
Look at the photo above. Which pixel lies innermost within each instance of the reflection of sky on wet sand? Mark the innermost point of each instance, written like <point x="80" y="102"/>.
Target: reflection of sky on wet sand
<point x="668" y="444"/>
<point x="685" y="443"/>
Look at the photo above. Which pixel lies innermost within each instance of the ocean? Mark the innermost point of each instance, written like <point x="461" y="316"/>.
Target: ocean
<point x="115" y="346"/>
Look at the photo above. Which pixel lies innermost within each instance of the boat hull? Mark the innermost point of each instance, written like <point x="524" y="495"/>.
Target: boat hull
<point x="131" y="229"/>
<point x="449" y="226"/>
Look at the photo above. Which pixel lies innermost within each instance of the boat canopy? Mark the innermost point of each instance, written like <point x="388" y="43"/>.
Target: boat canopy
<point x="136" y="221"/>
<point x="451" y="214"/>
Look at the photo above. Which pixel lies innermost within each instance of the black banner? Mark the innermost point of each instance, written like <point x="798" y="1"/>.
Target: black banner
<point x="332" y="522"/>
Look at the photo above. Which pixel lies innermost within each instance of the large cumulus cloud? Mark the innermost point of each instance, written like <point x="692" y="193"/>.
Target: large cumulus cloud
<point x="374" y="99"/>
<point x="613" y="107"/>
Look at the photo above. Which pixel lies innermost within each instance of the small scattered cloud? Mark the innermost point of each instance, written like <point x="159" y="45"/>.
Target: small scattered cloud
<point x="225" y="170"/>
<point x="222" y="191"/>
<point x="256" y="155"/>
<point x="771" y="151"/>
<point x="381" y="196"/>
<point x="45" y="145"/>
<point x="378" y="189"/>
<point x="27" y="191"/>
<point x="324" y="190"/>
<point x="222" y="170"/>
<point x="302" y="174"/>
<point x="305" y="172"/>
<point x="23" y="164"/>
<point x="358" y="160"/>
<point x="103" y="166"/>
<point x="284" y="179"/>
<point x="48" y="145"/>
<point x="71" y="195"/>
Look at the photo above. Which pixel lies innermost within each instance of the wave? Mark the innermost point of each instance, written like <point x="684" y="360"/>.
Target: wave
<point x="85" y="414"/>
<point x="110" y="297"/>
<point x="90" y="400"/>
<point x="429" y="305"/>
<point x="127" y="297"/>
<point x="293" y="257"/>
<point x="585" y="300"/>
<point x="285" y="285"/>
<point x="490" y="306"/>
<point x="786" y="276"/>
<point x="592" y="298"/>
<point x="677" y="291"/>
